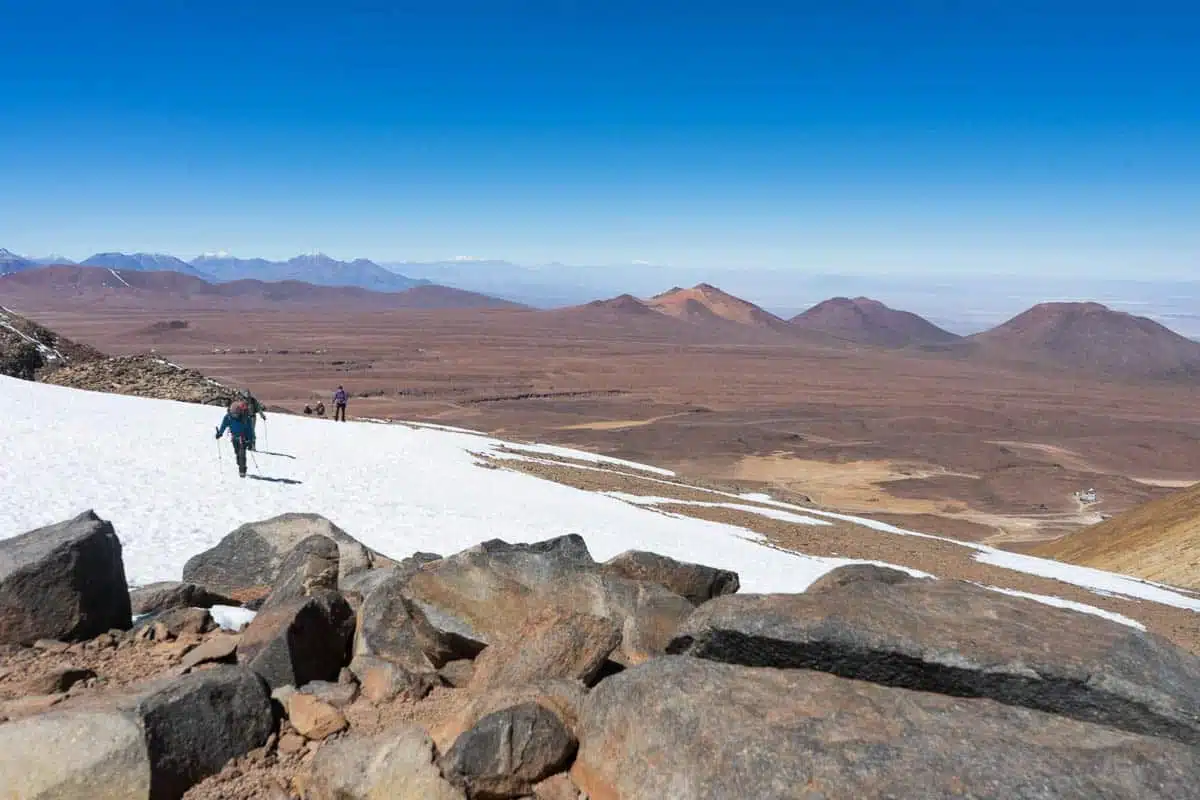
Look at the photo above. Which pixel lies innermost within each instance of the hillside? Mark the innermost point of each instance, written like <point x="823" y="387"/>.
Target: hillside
<point x="28" y="350"/>
<point x="166" y="287"/>
<point x="705" y="302"/>
<point x="868" y="321"/>
<point x="1158" y="541"/>
<point x="1091" y="337"/>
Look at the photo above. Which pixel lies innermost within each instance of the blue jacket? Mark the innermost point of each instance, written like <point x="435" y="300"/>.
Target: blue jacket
<point x="240" y="428"/>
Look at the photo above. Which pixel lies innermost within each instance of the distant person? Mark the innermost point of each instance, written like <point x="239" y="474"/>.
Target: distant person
<point x="249" y="408"/>
<point x="308" y="410"/>
<point x="237" y="422"/>
<point x="339" y="403"/>
<point x="320" y="408"/>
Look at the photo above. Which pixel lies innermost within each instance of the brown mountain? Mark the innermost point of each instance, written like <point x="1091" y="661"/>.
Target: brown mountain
<point x="174" y="289"/>
<point x="1094" y="338"/>
<point x="1158" y="541"/>
<point x="868" y="321"/>
<point x="705" y="302"/>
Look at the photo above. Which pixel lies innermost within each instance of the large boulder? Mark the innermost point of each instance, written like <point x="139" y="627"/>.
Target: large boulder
<point x="550" y="644"/>
<point x="301" y="641"/>
<point x="691" y="729"/>
<point x="696" y="582"/>
<point x="960" y="639"/>
<point x="154" y="741"/>
<point x="397" y="764"/>
<point x="311" y="566"/>
<point x="156" y="597"/>
<point x="250" y="557"/>
<point x="482" y="593"/>
<point x="392" y="627"/>
<point x="509" y="751"/>
<point x="65" y="581"/>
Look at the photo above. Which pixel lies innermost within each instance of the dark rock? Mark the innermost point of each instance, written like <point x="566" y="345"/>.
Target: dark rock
<point x="563" y="697"/>
<point x="65" y="581"/>
<point x="156" y="597"/>
<point x="154" y="742"/>
<point x="853" y="573"/>
<point x="397" y="764"/>
<point x="394" y="628"/>
<point x="696" y="582"/>
<point x="311" y="566"/>
<point x="508" y="751"/>
<point x="299" y="642"/>
<point x="690" y="729"/>
<point x="963" y="640"/>
<point x="251" y="556"/>
<point x="550" y="644"/>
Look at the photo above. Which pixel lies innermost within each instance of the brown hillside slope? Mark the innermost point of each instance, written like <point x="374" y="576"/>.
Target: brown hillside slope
<point x="1158" y="541"/>
<point x="868" y="321"/>
<point x="704" y="301"/>
<point x="1092" y="337"/>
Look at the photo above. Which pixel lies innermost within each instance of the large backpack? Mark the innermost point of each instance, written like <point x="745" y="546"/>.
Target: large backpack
<point x="239" y="409"/>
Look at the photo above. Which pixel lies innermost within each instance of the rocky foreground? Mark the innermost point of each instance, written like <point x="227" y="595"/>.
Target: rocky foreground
<point x="533" y="671"/>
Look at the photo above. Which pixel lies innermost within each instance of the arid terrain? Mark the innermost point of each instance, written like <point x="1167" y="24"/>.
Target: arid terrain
<point x="945" y="439"/>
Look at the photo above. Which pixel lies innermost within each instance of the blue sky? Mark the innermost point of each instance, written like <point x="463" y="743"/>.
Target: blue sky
<point x="940" y="136"/>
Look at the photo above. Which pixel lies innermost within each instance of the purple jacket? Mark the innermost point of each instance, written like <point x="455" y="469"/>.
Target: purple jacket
<point x="339" y="397"/>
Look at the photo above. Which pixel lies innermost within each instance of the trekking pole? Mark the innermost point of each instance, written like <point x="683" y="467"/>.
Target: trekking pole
<point x="220" y="466"/>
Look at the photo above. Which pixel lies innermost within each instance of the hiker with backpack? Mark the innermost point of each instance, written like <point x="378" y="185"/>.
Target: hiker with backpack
<point x="339" y="403"/>
<point x="247" y="406"/>
<point x="238" y="422"/>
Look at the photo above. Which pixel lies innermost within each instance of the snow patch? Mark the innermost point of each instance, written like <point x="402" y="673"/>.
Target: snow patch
<point x="579" y="455"/>
<point x="769" y="513"/>
<point x="1058" y="602"/>
<point x="231" y="618"/>
<point x="117" y="275"/>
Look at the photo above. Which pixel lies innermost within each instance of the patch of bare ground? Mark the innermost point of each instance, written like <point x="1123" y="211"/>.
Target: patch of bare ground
<point x="939" y="557"/>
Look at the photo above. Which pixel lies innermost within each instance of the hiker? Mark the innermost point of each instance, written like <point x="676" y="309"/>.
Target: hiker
<point x="308" y="410"/>
<point x="237" y="421"/>
<point x="320" y="408"/>
<point x="339" y="403"/>
<point x="252" y="411"/>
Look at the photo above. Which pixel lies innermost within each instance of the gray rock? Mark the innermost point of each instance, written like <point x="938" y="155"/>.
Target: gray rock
<point x="696" y="582"/>
<point x="394" y="628"/>
<point x="338" y="695"/>
<point x="489" y="590"/>
<point x="251" y="556"/>
<point x="311" y="566"/>
<point x="550" y="644"/>
<point x="65" y="581"/>
<point x="691" y="729"/>
<point x="154" y="742"/>
<point x="397" y="764"/>
<point x="959" y="639"/>
<point x="76" y="756"/>
<point x="299" y="642"/>
<point x="509" y="751"/>
<point x="156" y="597"/>
<point x="853" y="573"/>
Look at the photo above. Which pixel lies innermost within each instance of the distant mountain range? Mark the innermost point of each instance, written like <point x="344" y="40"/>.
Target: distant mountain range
<point x="315" y="268"/>
<point x="175" y="289"/>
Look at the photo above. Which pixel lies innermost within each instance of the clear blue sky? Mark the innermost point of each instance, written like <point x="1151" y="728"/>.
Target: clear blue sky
<point x="942" y="136"/>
